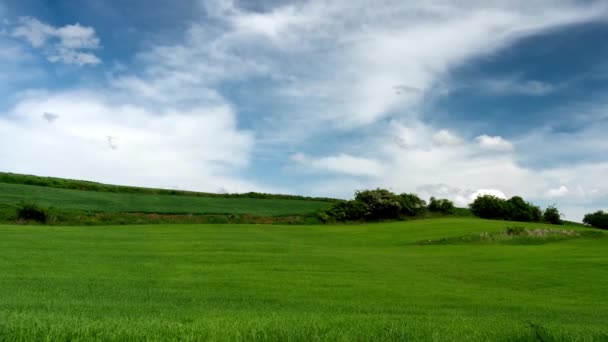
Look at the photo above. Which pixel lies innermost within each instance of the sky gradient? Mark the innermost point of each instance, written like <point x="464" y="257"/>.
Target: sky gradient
<point x="446" y="98"/>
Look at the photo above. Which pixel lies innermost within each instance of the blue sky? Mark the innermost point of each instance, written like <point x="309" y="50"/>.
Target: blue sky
<point x="448" y="98"/>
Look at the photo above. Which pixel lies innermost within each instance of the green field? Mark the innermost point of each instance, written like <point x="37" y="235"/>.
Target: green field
<point x="299" y="283"/>
<point x="151" y="203"/>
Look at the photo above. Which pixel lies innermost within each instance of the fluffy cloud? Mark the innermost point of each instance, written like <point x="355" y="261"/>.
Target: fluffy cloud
<point x="61" y="44"/>
<point x="412" y="162"/>
<point x="343" y="164"/>
<point x="558" y="192"/>
<point x="160" y="129"/>
<point x="444" y="137"/>
<point x="461" y="197"/>
<point x="195" y="149"/>
<point x="327" y="69"/>
<point x="494" y="143"/>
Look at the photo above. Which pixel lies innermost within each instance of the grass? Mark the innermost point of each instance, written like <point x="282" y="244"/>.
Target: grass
<point x="74" y="184"/>
<point x="299" y="283"/>
<point x="109" y="202"/>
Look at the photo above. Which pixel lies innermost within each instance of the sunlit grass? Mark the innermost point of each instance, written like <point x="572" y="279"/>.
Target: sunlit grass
<point x="299" y="283"/>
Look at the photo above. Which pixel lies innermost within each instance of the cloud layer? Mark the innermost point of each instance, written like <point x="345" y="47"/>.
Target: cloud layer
<point x="120" y="143"/>
<point x="335" y="94"/>
<point x="69" y="44"/>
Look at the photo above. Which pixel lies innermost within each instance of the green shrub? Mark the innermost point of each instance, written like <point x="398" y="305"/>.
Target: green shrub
<point x="513" y="209"/>
<point x="442" y="205"/>
<point x="345" y="211"/>
<point x="552" y="215"/>
<point x="489" y="207"/>
<point x="516" y="230"/>
<point x="377" y="204"/>
<point x="31" y="212"/>
<point x="520" y="210"/>
<point x="411" y="205"/>
<point x="598" y="219"/>
<point x="380" y="204"/>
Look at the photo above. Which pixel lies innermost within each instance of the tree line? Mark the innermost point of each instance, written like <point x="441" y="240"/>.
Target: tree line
<point x="598" y="219"/>
<point x="382" y="204"/>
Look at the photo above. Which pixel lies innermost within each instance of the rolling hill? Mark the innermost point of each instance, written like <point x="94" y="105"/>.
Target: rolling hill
<point x="73" y="202"/>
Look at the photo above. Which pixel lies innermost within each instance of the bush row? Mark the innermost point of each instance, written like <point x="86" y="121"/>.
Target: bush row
<point x="598" y="219"/>
<point x="513" y="209"/>
<point x="382" y="204"/>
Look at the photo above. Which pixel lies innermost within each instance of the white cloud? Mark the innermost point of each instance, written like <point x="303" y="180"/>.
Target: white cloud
<point x="416" y="163"/>
<point x="558" y="192"/>
<point x="34" y="31"/>
<point x="491" y="192"/>
<point x="461" y="197"/>
<point x="516" y="86"/>
<point x="332" y="67"/>
<point x="198" y="149"/>
<point x="494" y="143"/>
<point x="444" y="137"/>
<point x="342" y="164"/>
<point x="60" y="44"/>
<point x="339" y="65"/>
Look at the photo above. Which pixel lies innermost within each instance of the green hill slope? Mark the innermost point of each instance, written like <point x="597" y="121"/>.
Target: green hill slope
<point x="63" y="183"/>
<point x="77" y="202"/>
<point x="149" y="203"/>
<point x="371" y="282"/>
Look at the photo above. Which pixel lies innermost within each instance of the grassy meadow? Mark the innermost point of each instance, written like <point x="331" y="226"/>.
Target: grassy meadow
<point x="109" y="202"/>
<point x="368" y="282"/>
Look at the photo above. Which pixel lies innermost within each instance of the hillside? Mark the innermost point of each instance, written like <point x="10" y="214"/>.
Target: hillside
<point x="63" y="183"/>
<point x="81" y="202"/>
<point x="144" y="203"/>
<point x="302" y="283"/>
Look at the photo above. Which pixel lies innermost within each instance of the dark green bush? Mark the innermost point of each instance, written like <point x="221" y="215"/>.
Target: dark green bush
<point x="516" y="230"/>
<point x="345" y="211"/>
<point x="489" y="207"/>
<point x="31" y="212"/>
<point x="598" y="219"/>
<point x="513" y="209"/>
<point x="377" y="204"/>
<point x="411" y="205"/>
<point x="442" y="205"/>
<point x="520" y="210"/>
<point x="380" y="204"/>
<point x="552" y="215"/>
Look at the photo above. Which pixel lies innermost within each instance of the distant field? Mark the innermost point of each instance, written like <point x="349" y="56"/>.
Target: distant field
<point x="75" y="184"/>
<point x="152" y="203"/>
<point x="369" y="282"/>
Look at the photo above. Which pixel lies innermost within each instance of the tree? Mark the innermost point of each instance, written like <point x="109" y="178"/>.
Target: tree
<point x="345" y="211"/>
<point x="381" y="203"/>
<point x="598" y="219"/>
<point x="411" y="204"/>
<point x="520" y="210"/>
<point x="552" y="215"/>
<point x="515" y="209"/>
<point x="443" y="206"/>
<point x="489" y="207"/>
